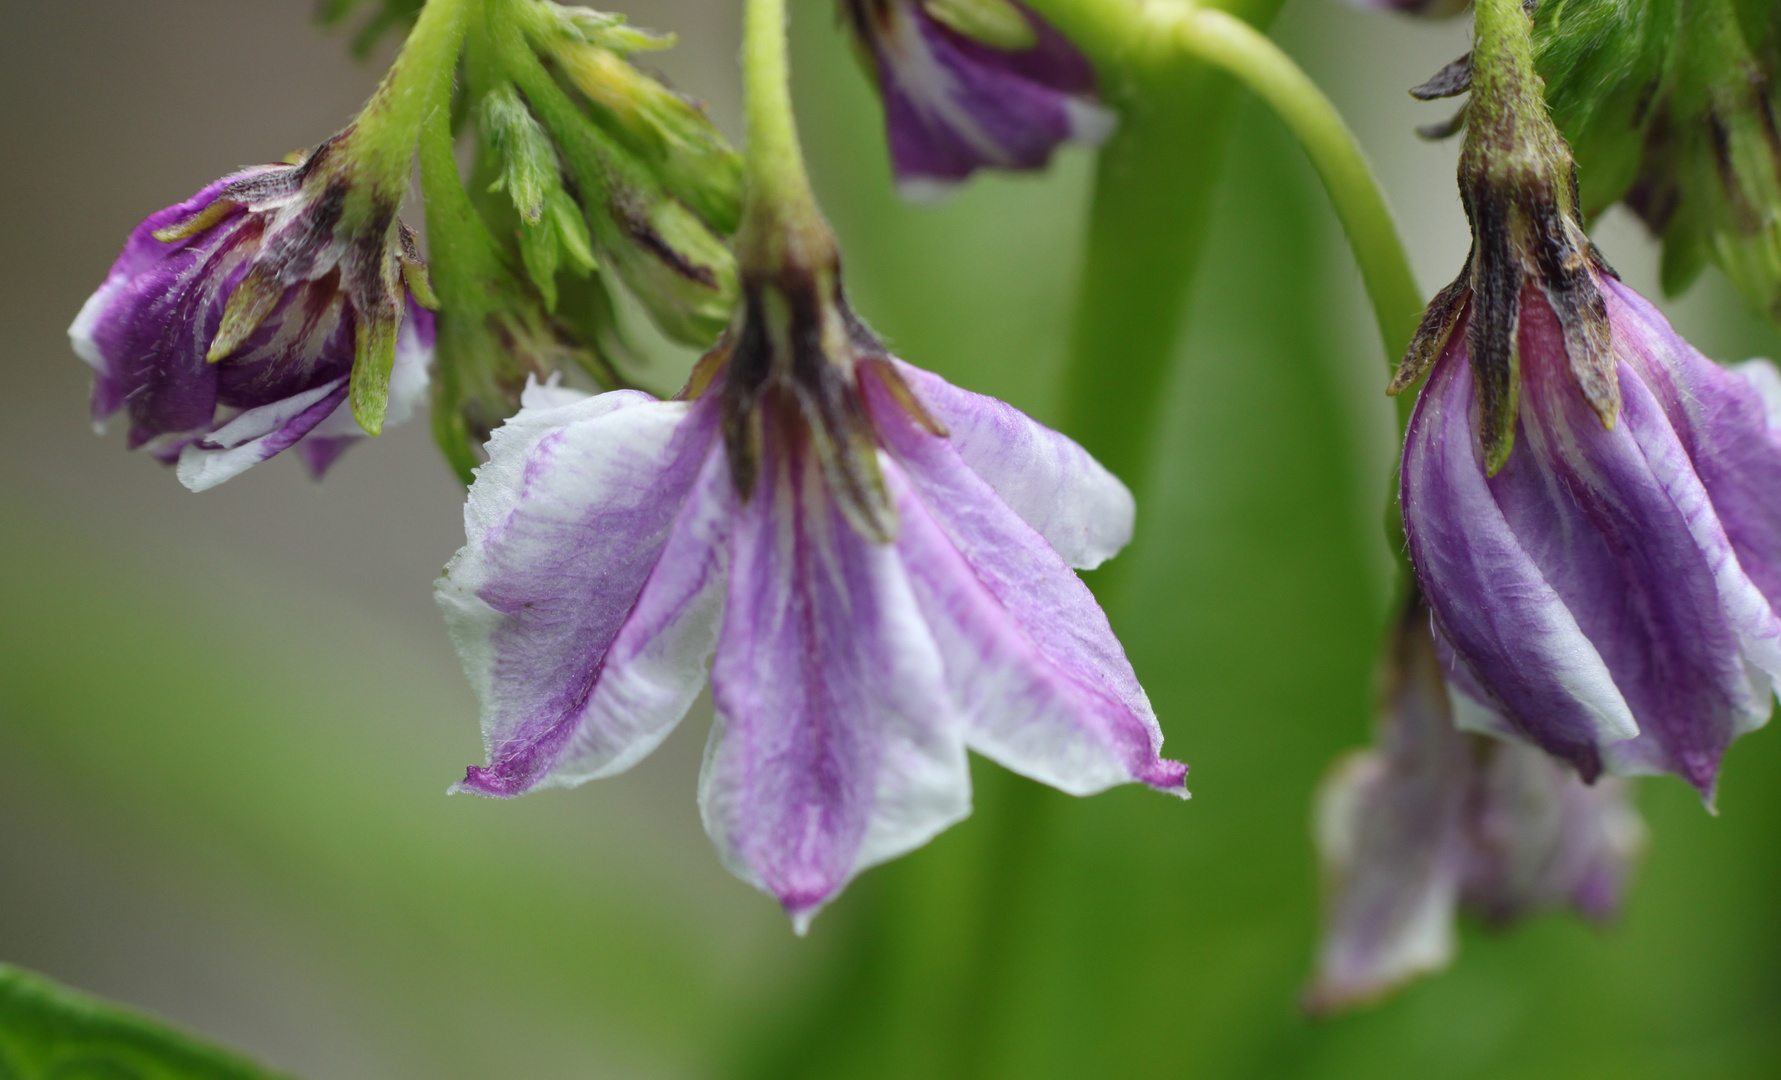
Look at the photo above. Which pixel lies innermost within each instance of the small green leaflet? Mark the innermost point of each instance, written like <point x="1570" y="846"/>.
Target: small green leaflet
<point x="48" y="1032"/>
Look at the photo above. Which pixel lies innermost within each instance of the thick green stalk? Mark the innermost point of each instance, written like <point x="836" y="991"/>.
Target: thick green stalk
<point x="385" y="134"/>
<point x="781" y="222"/>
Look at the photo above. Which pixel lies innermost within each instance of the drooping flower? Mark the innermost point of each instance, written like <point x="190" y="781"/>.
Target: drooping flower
<point x="1434" y="821"/>
<point x="880" y="561"/>
<point x="970" y="84"/>
<point x="230" y="325"/>
<point x="1590" y="504"/>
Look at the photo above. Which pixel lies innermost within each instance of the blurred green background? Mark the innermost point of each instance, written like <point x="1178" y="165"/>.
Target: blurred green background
<point x="227" y="721"/>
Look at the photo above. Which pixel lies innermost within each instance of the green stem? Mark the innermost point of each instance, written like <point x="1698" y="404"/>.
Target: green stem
<point x="1238" y="48"/>
<point x="780" y="218"/>
<point x="385" y="134"/>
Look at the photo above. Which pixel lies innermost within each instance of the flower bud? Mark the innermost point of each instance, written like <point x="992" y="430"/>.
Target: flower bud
<point x="665" y="253"/>
<point x="550" y="230"/>
<point x="969" y="84"/>
<point x="667" y="132"/>
<point x="236" y="323"/>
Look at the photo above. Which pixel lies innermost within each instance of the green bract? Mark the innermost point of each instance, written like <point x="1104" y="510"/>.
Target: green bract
<point x="1670" y="107"/>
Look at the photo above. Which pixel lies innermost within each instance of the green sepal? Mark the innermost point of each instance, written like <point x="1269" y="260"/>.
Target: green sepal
<point x="515" y="141"/>
<point x="667" y="132"/>
<point x="374" y="357"/>
<point x="664" y="252"/>
<point x="608" y="30"/>
<point x="49" y="1032"/>
<point x="996" y="23"/>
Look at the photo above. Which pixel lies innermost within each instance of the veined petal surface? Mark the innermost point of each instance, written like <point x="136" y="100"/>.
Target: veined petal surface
<point x="565" y="525"/>
<point x="1045" y="687"/>
<point x="836" y="745"/>
<point x="1083" y="511"/>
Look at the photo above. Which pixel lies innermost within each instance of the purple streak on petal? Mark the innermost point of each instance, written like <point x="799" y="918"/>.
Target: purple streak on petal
<point x="564" y="526"/>
<point x="1624" y="531"/>
<point x="256" y="435"/>
<point x="656" y="665"/>
<point x="953" y="105"/>
<point x="408" y="390"/>
<point x="1031" y="660"/>
<point x="835" y="746"/>
<point x="1722" y="419"/>
<point x="1081" y="509"/>
<point x="1493" y="604"/>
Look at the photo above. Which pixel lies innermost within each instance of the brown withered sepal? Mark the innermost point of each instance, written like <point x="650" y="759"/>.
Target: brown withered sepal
<point x="1518" y="185"/>
<point x="788" y="370"/>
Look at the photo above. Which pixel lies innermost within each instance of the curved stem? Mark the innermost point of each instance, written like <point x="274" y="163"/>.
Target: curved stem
<point x="1245" y="52"/>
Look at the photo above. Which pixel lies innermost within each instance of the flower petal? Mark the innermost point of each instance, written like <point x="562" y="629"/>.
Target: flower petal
<point x="409" y="380"/>
<point x="656" y="665"/>
<point x="1057" y="487"/>
<point x="1541" y="838"/>
<point x="1728" y="421"/>
<point x="1624" y="530"/>
<point x="564" y="526"/>
<point x="1030" y="658"/>
<point x="835" y="746"/>
<point x="257" y="435"/>
<point x="1493" y="604"/>
<point x="953" y="105"/>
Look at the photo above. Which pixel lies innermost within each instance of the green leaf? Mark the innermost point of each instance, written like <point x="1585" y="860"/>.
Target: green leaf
<point x="48" y="1031"/>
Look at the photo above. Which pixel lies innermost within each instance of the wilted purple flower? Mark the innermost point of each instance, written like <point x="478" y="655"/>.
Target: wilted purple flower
<point x="230" y="325"/>
<point x="1592" y="507"/>
<point x="1434" y="821"/>
<point x="973" y="83"/>
<point x="879" y="560"/>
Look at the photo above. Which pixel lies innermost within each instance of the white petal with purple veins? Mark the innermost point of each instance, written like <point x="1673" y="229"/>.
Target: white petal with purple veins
<point x="835" y="746"/>
<point x="656" y="665"/>
<point x="1031" y="660"/>
<point x="1081" y="509"/>
<point x="565" y="523"/>
<point x="257" y="435"/>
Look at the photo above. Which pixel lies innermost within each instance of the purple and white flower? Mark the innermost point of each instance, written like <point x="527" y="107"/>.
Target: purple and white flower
<point x="969" y="84"/>
<point x="230" y="325"/>
<point x="1434" y="821"/>
<point x="880" y="562"/>
<point x="1611" y="593"/>
<point x="1592" y="507"/>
